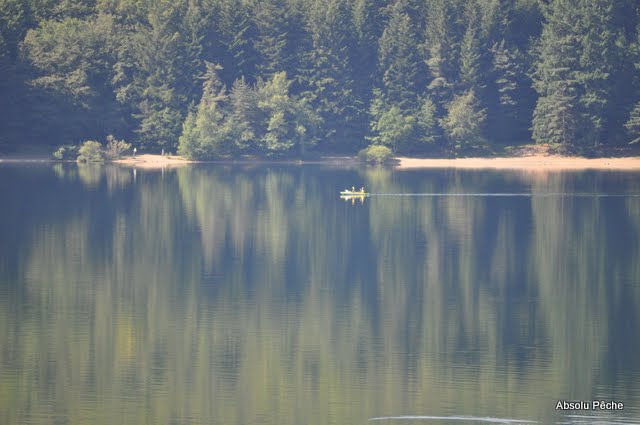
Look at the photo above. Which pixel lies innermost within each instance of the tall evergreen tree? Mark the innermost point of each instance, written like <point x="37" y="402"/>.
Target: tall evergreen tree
<point x="368" y="23"/>
<point x="237" y="34"/>
<point x="167" y="60"/>
<point x="510" y="114"/>
<point x="331" y="80"/>
<point x="556" y="118"/>
<point x="273" y="43"/>
<point x="442" y="44"/>
<point x="471" y="60"/>
<point x="206" y="133"/>
<point x="464" y="123"/>
<point x="632" y="124"/>
<point x="400" y="62"/>
<point x="244" y="114"/>
<point x="73" y="61"/>
<point x="599" y="61"/>
<point x="575" y="58"/>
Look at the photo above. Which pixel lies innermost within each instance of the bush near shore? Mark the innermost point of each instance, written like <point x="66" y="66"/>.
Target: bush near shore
<point x="93" y="151"/>
<point x="376" y="154"/>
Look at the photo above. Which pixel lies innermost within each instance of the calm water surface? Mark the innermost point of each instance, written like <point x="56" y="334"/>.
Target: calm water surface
<point x="254" y="295"/>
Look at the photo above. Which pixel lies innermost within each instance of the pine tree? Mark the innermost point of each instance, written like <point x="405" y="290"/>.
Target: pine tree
<point x="556" y="117"/>
<point x="464" y="123"/>
<point x="390" y="126"/>
<point x="471" y="66"/>
<point x="369" y="25"/>
<point x="244" y="113"/>
<point x="598" y="63"/>
<point x="400" y="61"/>
<point x="5" y="104"/>
<point x="167" y="62"/>
<point x="289" y="122"/>
<point x="442" y="49"/>
<point x="428" y="132"/>
<point x="237" y="34"/>
<point x="633" y="124"/>
<point x="576" y="58"/>
<point x="331" y="82"/>
<point x="207" y="133"/>
<point x="273" y="44"/>
<point x="510" y="114"/>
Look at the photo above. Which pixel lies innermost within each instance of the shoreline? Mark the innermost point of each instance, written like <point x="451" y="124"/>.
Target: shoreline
<point x="530" y="163"/>
<point x="533" y="162"/>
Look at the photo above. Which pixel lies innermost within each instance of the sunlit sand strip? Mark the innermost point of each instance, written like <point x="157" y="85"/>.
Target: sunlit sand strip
<point x="532" y="163"/>
<point x="457" y="418"/>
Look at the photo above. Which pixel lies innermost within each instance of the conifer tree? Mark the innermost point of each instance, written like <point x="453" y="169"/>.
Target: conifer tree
<point x="442" y="46"/>
<point x="599" y="61"/>
<point x="464" y="123"/>
<point x="633" y="124"/>
<point x="509" y="116"/>
<point x="576" y="57"/>
<point x="272" y="43"/>
<point x="471" y="66"/>
<point x="368" y="24"/>
<point x="206" y="133"/>
<point x="167" y="64"/>
<point x="400" y="61"/>
<point x="331" y="82"/>
<point x="556" y="117"/>
<point x="237" y="35"/>
<point x="244" y="113"/>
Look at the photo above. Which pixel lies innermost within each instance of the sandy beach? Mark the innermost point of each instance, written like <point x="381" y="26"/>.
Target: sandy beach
<point x="534" y="162"/>
<point x="526" y="162"/>
<point x="154" y="161"/>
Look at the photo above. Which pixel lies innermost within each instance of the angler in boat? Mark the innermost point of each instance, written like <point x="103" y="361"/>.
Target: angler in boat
<point x="354" y="192"/>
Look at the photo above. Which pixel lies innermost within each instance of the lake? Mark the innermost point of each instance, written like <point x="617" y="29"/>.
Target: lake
<point x="255" y="295"/>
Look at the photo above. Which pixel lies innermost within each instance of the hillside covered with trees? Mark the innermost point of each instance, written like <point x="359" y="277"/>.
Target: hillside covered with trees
<point x="221" y="78"/>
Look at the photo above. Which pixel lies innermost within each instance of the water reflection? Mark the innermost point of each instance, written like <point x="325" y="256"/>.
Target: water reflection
<point x="254" y="295"/>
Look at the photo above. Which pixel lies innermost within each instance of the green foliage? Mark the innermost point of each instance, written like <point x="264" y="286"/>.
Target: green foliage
<point x="442" y="45"/>
<point x="90" y="151"/>
<point x="205" y="134"/>
<point x="274" y="41"/>
<point x="393" y="128"/>
<point x="411" y="131"/>
<point x="427" y="125"/>
<point x="80" y="69"/>
<point x="115" y="147"/>
<point x="400" y="60"/>
<point x="262" y="119"/>
<point x="633" y="124"/>
<point x="470" y="52"/>
<point x="511" y="112"/>
<point x="66" y="152"/>
<point x="464" y="123"/>
<point x="576" y="57"/>
<point x="330" y="81"/>
<point x="376" y="154"/>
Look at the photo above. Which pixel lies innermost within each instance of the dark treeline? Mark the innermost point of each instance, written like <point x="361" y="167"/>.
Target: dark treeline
<point x="211" y="78"/>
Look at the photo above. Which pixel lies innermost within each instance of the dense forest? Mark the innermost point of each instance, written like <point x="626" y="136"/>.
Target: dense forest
<point x="220" y="78"/>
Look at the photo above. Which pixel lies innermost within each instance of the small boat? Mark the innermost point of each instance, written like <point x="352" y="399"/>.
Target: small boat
<point x="349" y="193"/>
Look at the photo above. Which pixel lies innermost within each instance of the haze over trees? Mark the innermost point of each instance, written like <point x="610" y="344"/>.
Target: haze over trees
<point x="219" y="78"/>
